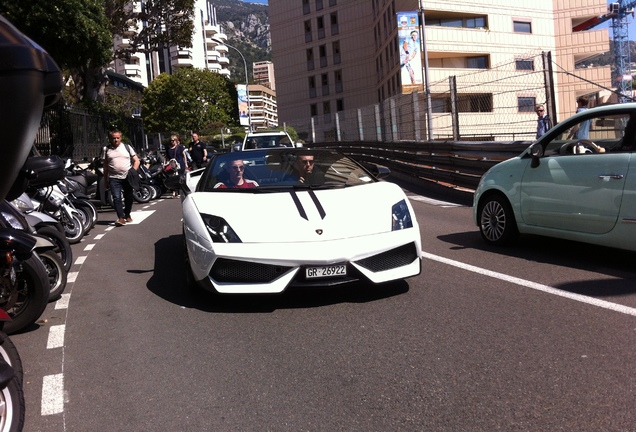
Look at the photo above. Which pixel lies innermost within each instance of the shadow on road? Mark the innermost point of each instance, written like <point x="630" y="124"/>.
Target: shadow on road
<point x="168" y="282"/>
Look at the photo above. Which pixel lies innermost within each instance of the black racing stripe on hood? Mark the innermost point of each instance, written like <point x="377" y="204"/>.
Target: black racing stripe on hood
<point x="299" y="206"/>
<point x="321" y="210"/>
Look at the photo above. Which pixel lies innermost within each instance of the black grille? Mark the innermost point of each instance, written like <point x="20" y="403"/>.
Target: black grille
<point x="227" y="270"/>
<point x="391" y="259"/>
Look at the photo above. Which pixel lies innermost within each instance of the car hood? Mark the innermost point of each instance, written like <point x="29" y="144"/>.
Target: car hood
<point x="304" y="215"/>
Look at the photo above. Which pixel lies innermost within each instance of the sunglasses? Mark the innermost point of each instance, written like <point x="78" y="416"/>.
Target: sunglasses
<point x="238" y="168"/>
<point x="307" y="161"/>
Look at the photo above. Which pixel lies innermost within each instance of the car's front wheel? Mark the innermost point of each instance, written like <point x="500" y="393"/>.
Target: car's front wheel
<point x="497" y="222"/>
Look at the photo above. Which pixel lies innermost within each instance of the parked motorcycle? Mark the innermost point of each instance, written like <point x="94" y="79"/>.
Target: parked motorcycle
<point x="54" y="202"/>
<point x="30" y="80"/>
<point x="45" y="225"/>
<point x="11" y="382"/>
<point x="45" y="248"/>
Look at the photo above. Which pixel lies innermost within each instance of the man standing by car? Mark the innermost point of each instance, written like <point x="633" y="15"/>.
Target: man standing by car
<point x="198" y="152"/>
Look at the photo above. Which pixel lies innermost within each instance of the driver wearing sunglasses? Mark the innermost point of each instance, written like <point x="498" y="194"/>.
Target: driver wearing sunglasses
<point x="235" y="170"/>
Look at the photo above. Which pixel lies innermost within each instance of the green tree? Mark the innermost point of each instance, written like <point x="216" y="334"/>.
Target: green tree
<point x="79" y="33"/>
<point x="188" y="100"/>
<point x="151" y="25"/>
<point x="76" y="33"/>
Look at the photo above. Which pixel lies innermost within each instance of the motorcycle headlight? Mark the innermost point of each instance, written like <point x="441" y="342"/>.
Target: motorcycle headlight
<point x="219" y="229"/>
<point x="24" y="205"/>
<point x="12" y="221"/>
<point x="401" y="216"/>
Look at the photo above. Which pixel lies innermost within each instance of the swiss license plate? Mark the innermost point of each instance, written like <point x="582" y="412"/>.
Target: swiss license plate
<point x="326" y="271"/>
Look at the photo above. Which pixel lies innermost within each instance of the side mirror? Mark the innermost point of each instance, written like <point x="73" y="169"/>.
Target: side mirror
<point x="536" y="151"/>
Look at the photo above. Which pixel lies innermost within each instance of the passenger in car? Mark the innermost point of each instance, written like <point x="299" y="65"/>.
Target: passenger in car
<point x="305" y="170"/>
<point x="235" y="179"/>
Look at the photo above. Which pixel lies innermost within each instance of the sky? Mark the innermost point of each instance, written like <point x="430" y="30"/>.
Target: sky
<point x="255" y="1"/>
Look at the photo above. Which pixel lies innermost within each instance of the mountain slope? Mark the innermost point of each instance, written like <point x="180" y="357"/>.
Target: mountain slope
<point x="247" y="28"/>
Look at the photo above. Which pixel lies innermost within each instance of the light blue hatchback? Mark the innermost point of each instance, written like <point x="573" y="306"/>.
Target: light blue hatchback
<point x="571" y="188"/>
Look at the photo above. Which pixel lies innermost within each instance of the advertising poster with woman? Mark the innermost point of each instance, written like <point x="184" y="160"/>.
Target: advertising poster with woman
<point x="410" y="54"/>
<point x="243" y="107"/>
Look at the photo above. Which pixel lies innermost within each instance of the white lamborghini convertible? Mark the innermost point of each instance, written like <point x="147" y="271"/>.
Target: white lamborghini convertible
<point x="260" y="221"/>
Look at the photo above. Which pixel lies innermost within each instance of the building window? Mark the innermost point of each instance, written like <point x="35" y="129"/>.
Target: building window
<point x="307" y="31"/>
<point x="324" y="78"/>
<point x="326" y="108"/>
<point x="313" y="110"/>
<point x="334" y="24"/>
<point x="526" y="104"/>
<point x="480" y="62"/>
<point x="311" y="81"/>
<point x="522" y="26"/>
<point x="310" y="59"/>
<point x="479" y="22"/>
<point x="337" y="78"/>
<point x="332" y="2"/>
<point x="524" y="64"/>
<point x="320" y="23"/>
<point x="306" y="8"/>
<point x="339" y="105"/>
<point x="335" y="49"/>
<point x="322" y="50"/>
<point x="318" y="5"/>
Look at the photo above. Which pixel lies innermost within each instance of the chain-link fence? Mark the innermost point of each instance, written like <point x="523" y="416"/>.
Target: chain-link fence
<point x="495" y="104"/>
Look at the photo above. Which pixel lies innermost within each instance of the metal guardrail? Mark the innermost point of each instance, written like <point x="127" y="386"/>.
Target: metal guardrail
<point x="452" y="164"/>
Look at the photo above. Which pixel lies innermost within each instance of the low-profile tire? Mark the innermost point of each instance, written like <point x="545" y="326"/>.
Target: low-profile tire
<point x="25" y="302"/>
<point x="497" y="223"/>
<point x="62" y="246"/>
<point x="56" y="273"/>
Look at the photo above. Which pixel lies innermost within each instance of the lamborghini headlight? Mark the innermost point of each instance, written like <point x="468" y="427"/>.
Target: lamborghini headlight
<point x="401" y="216"/>
<point x="219" y="229"/>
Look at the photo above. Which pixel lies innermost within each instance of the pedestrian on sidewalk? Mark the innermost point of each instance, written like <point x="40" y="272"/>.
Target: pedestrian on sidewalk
<point x="118" y="159"/>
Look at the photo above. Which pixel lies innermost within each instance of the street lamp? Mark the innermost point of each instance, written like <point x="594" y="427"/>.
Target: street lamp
<point x="247" y="90"/>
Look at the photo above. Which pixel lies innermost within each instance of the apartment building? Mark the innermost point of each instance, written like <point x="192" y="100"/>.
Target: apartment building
<point x="264" y="74"/>
<point x="337" y="55"/>
<point x="207" y="52"/>
<point x="263" y="105"/>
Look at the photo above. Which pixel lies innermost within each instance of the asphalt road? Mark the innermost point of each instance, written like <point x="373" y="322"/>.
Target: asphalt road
<point x="536" y="337"/>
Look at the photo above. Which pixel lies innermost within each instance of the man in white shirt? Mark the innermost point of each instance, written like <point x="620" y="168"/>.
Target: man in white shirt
<point x="118" y="159"/>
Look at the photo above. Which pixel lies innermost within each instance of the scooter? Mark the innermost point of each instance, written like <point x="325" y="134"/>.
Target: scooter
<point x="30" y="81"/>
<point x="52" y="201"/>
<point x="45" y="225"/>
<point x="45" y="249"/>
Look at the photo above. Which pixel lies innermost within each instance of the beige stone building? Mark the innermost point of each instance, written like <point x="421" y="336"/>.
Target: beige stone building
<point x="263" y="107"/>
<point x="333" y="58"/>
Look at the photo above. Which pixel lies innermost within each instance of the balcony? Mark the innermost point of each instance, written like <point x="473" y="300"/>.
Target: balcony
<point x="132" y="70"/>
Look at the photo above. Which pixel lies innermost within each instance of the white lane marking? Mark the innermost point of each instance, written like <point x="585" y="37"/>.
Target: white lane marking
<point x="139" y="216"/>
<point x="89" y="247"/>
<point x="56" y="337"/>
<point x="533" y="285"/>
<point x="71" y="276"/>
<point x="99" y="236"/>
<point x="432" y="201"/>
<point x="52" y="394"/>
<point x="80" y="260"/>
<point x="62" y="303"/>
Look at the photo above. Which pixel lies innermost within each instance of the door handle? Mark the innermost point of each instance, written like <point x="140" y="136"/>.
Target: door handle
<point x="607" y="177"/>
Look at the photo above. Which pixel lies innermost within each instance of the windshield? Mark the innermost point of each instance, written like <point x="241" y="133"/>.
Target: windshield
<point x="267" y="141"/>
<point x="282" y="169"/>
